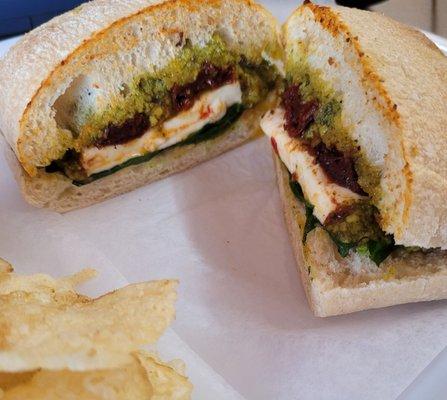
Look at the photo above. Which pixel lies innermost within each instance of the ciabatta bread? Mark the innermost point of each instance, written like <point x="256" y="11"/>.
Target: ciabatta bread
<point x="56" y="192"/>
<point x="110" y="42"/>
<point x="393" y="83"/>
<point x="386" y="85"/>
<point x="335" y="285"/>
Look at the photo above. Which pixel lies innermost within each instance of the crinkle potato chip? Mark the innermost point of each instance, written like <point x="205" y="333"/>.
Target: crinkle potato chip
<point x="45" y="323"/>
<point x="143" y="378"/>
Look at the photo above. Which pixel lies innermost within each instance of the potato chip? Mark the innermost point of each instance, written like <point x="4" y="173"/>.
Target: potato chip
<point x="45" y="323"/>
<point x="5" y="266"/>
<point x="10" y="379"/>
<point x="143" y="378"/>
<point x="44" y="286"/>
<point x="167" y="382"/>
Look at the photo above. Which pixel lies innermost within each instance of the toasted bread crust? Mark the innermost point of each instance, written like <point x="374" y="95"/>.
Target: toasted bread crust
<point x="336" y="285"/>
<point x="32" y="69"/>
<point x="405" y="75"/>
<point x="333" y="22"/>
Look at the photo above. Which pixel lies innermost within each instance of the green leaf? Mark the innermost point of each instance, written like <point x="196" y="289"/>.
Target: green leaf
<point x="342" y="247"/>
<point x="379" y="250"/>
<point x="102" y="174"/>
<point x="363" y="249"/>
<point x="311" y="221"/>
<point x="296" y="189"/>
<point x="208" y="132"/>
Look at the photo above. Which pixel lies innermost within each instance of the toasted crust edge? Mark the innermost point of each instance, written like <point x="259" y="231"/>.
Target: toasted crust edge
<point x="335" y="300"/>
<point x="375" y="39"/>
<point x="18" y="141"/>
<point x="331" y="21"/>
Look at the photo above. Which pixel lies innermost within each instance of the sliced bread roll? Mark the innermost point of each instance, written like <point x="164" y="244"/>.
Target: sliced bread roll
<point x="392" y="81"/>
<point x="115" y="83"/>
<point x="359" y="140"/>
<point x="337" y="285"/>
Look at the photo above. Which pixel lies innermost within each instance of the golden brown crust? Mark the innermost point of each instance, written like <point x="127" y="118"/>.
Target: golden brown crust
<point x="87" y="42"/>
<point x="331" y="21"/>
<point x="407" y="76"/>
<point x="64" y="42"/>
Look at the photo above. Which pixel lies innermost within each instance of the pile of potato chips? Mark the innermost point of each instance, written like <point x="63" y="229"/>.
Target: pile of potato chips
<point x="58" y="344"/>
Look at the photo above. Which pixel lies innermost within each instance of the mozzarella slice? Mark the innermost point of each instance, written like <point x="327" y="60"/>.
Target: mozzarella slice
<point x="324" y="195"/>
<point x="209" y="108"/>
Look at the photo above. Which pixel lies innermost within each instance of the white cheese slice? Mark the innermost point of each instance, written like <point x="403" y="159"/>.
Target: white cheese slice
<point x="324" y="195"/>
<point x="209" y="108"/>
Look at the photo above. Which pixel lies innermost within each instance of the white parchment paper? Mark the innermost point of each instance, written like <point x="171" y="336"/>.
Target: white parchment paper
<point x="219" y="229"/>
<point x="38" y="243"/>
<point x="243" y="322"/>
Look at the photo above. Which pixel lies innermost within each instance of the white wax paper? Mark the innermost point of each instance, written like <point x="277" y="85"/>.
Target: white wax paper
<point x="243" y="322"/>
<point x="219" y="229"/>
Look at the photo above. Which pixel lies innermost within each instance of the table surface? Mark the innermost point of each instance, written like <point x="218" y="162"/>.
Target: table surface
<point x="198" y="193"/>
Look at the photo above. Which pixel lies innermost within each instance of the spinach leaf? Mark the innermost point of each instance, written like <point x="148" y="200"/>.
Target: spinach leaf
<point x="296" y="189"/>
<point x="311" y="221"/>
<point x="208" y="132"/>
<point x="377" y="250"/>
<point x="342" y="247"/>
<point x="102" y="174"/>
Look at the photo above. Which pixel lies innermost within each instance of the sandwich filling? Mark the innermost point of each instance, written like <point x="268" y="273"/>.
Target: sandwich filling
<point x="195" y="97"/>
<point x="328" y="172"/>
<point x="119" y="144"/>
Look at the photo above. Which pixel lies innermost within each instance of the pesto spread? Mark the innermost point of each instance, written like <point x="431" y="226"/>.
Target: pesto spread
<point x="313" y="112"/>
<point x="358" y="231"/>
<point x="328" y="126"/>
<point x="207" y="133"/>
<point x="150" y="93"/>
<point x="154" y="97"/>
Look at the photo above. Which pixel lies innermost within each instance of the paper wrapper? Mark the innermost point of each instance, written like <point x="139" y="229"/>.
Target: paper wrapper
<point x="243" y="324"/>
<point x="241" y="313"/>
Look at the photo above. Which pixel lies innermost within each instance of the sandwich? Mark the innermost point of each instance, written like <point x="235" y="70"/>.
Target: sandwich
<point x="116" y="94"/>
<point x="59" y="344"/>
<point x="359" y="140"/>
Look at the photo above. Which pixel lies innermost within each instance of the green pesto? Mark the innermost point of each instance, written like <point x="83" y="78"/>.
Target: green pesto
<point x="71" y="168"/>
<point x="149" y="92"/>
<point x="359" y="224"/>
<point x="375" y="245"/>
<point x="328" y="122"/>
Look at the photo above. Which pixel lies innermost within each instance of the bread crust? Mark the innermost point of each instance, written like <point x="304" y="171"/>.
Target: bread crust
<point x="336" y="285"/>
<point x="32" y="71"/>
<point x="56" y="192"/>
<point x="408" y="75"/>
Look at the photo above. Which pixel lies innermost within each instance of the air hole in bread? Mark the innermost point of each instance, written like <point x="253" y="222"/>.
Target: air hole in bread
<point x="72" y="107"/>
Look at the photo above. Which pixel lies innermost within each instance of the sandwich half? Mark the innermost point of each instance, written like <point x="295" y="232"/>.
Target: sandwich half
<point x="116" y="94"/>
<point x="360" y="137"/>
